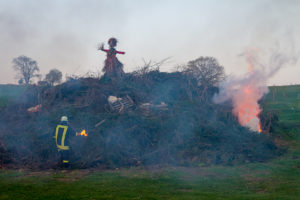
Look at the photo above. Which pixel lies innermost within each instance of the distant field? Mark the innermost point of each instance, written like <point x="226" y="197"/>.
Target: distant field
<point x="9" y="93"/>
<point x="276" y="179"/>
<point x="285" y="101"/>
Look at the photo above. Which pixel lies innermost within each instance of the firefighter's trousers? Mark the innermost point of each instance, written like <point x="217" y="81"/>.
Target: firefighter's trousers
<point x="64" y="157"/>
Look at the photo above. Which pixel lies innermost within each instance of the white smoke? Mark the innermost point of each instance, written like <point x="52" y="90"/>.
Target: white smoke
<point x="245" y="91"/>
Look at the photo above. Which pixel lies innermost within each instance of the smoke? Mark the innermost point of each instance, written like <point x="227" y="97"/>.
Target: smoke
<point x="245" y="91"/>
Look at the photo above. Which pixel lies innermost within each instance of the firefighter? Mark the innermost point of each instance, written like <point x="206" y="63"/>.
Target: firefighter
<point x="63" y="132"/>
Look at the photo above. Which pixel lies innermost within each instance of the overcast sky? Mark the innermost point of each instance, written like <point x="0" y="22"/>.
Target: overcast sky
<point x="64" y="34"/>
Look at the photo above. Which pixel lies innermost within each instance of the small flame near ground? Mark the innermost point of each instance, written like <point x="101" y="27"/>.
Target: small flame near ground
<point x="83" y="133"/>
<point x="259" y="128"/>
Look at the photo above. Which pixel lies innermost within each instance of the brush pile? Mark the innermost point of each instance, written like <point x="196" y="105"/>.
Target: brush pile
<point x="171" y="120"/>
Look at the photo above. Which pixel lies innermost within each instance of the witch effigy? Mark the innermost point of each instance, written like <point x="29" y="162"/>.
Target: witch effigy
<point x="112" y="66"/>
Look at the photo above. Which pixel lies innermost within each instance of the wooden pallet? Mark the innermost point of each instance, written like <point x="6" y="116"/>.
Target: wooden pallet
<point x="121" y="105"/>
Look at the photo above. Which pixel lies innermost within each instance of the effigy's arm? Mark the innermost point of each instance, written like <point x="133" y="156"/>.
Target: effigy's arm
<point x="101" y="47"/>
<point x="120" y="52"/>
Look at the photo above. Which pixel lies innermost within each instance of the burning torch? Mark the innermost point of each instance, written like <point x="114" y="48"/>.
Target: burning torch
<point x="82" y="133"/>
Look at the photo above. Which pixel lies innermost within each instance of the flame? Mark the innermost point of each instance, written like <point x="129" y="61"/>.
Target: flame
<point x="259" y="128"/>
<point x="245" y="92"/>
<point x="246" y="106"/>
<point x="83" y="132"/>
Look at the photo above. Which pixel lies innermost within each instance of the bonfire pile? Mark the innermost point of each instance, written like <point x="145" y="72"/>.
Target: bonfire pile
<point x="167" y="121"/>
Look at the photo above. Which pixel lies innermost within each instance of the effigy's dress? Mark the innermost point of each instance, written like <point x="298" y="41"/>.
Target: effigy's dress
<point x="112" y="66"/>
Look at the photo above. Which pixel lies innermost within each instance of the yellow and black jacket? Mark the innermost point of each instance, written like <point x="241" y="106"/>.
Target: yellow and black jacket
<point x="63" y="132"/>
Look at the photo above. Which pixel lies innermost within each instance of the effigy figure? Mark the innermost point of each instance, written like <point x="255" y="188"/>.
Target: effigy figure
<point x="112" y="66"/>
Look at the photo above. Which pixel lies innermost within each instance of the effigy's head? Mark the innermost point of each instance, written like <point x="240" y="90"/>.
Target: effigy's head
<point x="112" y="42"/>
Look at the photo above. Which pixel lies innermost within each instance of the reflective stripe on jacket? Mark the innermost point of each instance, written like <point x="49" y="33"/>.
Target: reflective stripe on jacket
<point x="61" y="137"/>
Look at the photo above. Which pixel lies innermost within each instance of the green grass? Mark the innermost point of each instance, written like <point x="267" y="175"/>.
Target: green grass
<point x="285" y="101"/>
<point x="276" y="179"/>
<point x="9" y="93"/>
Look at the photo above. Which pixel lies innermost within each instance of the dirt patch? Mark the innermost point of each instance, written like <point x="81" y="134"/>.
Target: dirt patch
<point x="281" y="143"/>
<point x="74" y="175"/>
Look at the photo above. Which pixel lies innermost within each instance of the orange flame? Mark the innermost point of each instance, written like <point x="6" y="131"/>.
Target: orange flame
<point x="246" y="106"/>
<point x="83" y="132"/>
<point x="246" y="91"/>
<point x="259" y="127"/>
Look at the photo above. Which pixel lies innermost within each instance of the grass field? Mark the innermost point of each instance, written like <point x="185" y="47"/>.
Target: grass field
<point x="285" y="101"/>
<point x="276" y="179"/>
<point x="10" y="93"/>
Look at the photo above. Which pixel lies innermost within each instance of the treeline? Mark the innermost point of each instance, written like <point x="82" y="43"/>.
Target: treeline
<point x="27" y="69"/>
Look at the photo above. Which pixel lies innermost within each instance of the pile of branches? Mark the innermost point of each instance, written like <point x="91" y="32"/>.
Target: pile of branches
<point x="192" y="131"/>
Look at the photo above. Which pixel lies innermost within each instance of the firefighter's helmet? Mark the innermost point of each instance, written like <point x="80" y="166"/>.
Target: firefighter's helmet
<point x="64" y="119"/>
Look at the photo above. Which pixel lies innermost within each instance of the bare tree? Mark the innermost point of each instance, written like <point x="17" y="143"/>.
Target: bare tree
<point x="206" y="70"/>
<point x="26" y="69"/>
<point x="54" y="76"/>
